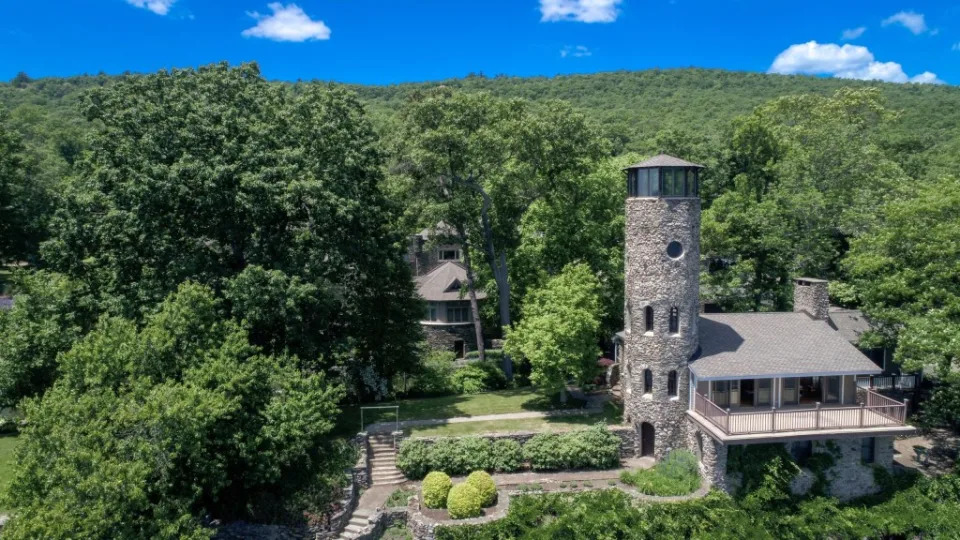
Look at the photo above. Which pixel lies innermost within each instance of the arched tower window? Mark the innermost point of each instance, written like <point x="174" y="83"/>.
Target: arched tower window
<point x="647" y="381"/>
<point x="674" y="320"/>
<point x="648" y="318"/>
<point x="672" y="383"/>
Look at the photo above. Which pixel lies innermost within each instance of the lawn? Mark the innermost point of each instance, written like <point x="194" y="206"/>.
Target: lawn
<point x="8" y="443"/>
<point x="499" y="402"/>
<point x="612" y="415"/>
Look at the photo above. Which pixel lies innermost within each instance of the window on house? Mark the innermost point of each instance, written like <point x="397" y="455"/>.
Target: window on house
<point x="431" y="314"/>
<point x="647" y="381"/>
<point x="648" y="318"/>
<point x="449" y="255"/>
<point x="458" y="313"/>
<point x="672" y="383"/>
<point x="868" y="448"/>
<point x="674" y="320"/>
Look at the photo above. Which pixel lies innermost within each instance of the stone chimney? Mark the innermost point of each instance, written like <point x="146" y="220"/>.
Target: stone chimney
<point x="810" y="296"/>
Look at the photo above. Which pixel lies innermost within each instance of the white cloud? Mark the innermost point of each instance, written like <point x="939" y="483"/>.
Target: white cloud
<point x="588" y="11"/>
<point x="909" y="19"/>
<point x="579" y="51"/>
<point x="854" y="33"/>
<point x="927" y="78"/>
<point x="956" y="46"/>
<point x="845" y="62"/>
<point x="814" y="58"/>
<point x="160" y="7"/>
<point x="287" y="23"/>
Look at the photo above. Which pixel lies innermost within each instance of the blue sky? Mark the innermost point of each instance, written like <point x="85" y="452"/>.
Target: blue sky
<point x="387" y="41"/>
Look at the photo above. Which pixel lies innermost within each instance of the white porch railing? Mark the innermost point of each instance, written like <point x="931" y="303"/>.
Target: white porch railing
<point x="874" y="410"/>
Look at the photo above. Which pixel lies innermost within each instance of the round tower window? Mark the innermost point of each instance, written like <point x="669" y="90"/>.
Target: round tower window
<point x="674" y="250"/>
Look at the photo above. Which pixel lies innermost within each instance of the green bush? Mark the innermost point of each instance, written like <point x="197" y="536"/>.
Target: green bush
<point x="476" y="454"/>
<point x="464" y="502"/>
<point x="485" y="486"/>
<point x="478" y="377"/>
<point x="506" y="456"/>
<point x="448" y="455"/>
<point x="435" y="488"/>
<point x="413" y="458"/>
<point x="434" y="375"/>
<point x="593" y="448"/>
<point x="677" y="474"/>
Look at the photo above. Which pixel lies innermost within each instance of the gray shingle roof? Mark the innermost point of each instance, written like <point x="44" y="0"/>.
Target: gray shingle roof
<point x="437" y="285"/>
<point x="664" y="160"/>
<point x="774" y="344"/>
<point x="851" y="323"/>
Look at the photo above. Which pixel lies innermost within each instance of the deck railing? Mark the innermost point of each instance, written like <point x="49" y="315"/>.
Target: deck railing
<point x="873" y="410"/>
<point x="887" y="382"/>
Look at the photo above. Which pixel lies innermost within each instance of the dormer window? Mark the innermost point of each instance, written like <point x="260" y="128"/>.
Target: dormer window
<point x="449" y="255"/>
<point x="454" y="286"/>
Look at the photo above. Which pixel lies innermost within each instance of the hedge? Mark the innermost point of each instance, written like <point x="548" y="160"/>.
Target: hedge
<point x="593" y="448"/>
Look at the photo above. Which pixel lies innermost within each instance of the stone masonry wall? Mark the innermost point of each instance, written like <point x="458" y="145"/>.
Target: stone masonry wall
<point x="652" y="278"/>
<point x="442" y="337"/>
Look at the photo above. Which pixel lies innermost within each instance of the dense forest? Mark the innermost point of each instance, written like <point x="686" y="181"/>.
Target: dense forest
<point x="209" y="265"/>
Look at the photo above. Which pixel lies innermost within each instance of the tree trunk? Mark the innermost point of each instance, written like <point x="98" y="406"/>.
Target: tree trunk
<point x="474" y="306"/>
<point x="498" y="266"/>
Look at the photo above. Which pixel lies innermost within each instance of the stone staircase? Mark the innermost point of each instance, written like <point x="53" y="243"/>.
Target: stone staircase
<point x="383" y="461"/>
<point x="358" y="522"/>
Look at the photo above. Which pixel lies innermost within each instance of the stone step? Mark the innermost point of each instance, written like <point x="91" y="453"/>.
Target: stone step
<point x="384" y="467"/>
<point x="387" y="478"/>
<point x="352" y="528"/>
<point x="359" y="522"/>
<point x="389" y="482"/>
<point x="360" y="512"/>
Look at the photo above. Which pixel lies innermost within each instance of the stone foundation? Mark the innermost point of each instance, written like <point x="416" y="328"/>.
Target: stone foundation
<point x="443" y="337"/>
<point x="848" y="478"/>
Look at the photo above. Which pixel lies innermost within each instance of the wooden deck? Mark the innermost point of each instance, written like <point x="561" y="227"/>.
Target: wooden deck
<point x="872" y="411"/>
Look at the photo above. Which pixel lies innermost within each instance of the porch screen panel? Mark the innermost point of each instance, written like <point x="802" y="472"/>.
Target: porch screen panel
<point x="789" y="394"/>
<point x="764" y="393"/>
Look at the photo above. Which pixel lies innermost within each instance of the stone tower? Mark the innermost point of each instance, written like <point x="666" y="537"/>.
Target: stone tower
<point x="662" y="289"/>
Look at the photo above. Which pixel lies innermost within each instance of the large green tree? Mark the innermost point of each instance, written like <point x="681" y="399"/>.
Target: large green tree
<point x="270" y="197"/>
<point x="25" y="201"/>
<point x="560" y="328"/>
<point x="805" y="175"/>
<point x="905" y="275"/>
<point x="149" y="430"/>
<point x="481" y="162"/>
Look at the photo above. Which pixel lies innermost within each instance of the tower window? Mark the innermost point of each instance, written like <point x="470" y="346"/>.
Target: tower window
<point x="674" y="249"/>
<point x="674" y="320"/>
<point x="648" y="318"/>
<point x="647" y="381"/>
<point x="672" y="383"/>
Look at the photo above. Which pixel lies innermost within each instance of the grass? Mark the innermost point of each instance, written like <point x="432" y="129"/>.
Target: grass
<point x="8" y="444"/>
<point x="399" y="497"/>
<point x="611" y="415"/>
<point x="397" y="531"/>
<point x="499" y="402"/>
<point x="676" y="475"/>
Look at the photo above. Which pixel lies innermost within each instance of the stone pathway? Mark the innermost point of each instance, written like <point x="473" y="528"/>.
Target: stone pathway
<point x="942" y="451"/>
<point x="370" y="500"/>
<point x="594" y="405"/>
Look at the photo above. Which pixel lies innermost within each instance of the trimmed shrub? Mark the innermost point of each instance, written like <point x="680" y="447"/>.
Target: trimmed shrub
<point x="478" y="377"/>
<point x="677" y="474"/>
<point x="413" y="458"/>
<point x="435" y="489"/>
<point x="476" y="454"/>
<point x="485" y="486"/>
<point x="447" y="455"/>
<point x="543" y="452"/>
<point x="506" y="456"/>
<point x="463" y="502"/>
<point x="593" y="448"/>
